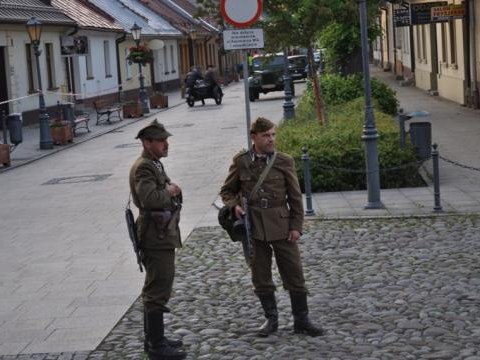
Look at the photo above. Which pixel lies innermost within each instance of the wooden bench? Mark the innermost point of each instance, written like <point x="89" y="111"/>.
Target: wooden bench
<point x="80" y="122"/>
<point x="105" y="111"/>
<point x="77" y="121"/>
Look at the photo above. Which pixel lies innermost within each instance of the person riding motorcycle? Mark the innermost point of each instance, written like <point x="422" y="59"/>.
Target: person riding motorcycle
<point x="211" y="79"/>
<point x="191" y="78"/>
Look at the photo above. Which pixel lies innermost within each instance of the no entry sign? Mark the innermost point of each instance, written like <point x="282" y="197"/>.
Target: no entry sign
<point x="241" y="13"/>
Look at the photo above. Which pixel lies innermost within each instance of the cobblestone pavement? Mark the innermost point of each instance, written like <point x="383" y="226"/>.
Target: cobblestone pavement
<point x="404" y="288"/>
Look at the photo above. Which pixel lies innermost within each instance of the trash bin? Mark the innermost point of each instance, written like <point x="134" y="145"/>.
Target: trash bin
<point x="14" y="126"/>
<point x="421" y="138"/>
<point x="67" y="111"/>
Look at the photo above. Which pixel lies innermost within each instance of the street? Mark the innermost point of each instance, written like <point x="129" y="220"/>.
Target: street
<point x="67" y="269"/>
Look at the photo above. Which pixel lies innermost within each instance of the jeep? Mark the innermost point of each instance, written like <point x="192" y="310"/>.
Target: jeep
<point x="267" y="74"/>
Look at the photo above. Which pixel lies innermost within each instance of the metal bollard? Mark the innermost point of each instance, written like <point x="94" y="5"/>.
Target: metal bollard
<point x="436" y="179"/>
<point x="4" y="126"/>
<point x="308" y="185"/>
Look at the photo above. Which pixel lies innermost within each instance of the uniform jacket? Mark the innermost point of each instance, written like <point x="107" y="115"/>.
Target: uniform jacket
<point x="149" y="194"/>
<point x="284" y="204"/>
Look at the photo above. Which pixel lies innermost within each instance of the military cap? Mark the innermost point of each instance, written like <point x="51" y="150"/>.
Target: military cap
<point x="154" y="131"/>
<point x="261" y="125"/>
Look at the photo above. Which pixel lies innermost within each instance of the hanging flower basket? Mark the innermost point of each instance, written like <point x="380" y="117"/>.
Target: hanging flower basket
<point x="140" y="55"/>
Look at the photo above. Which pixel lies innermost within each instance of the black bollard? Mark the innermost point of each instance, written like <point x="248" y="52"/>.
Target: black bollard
<point x="307" y="182"/>
<point x="436" y="179"/>
<point x="4" y="126"/>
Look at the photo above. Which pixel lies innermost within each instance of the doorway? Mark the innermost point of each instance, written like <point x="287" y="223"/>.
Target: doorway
<point x="3" y="81"/>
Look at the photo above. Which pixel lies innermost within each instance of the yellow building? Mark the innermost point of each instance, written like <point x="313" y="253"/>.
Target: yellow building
<point x="434" y="45"/>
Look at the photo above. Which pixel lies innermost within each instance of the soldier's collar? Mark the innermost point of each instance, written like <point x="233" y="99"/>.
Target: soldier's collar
<point x="266" y="157"/>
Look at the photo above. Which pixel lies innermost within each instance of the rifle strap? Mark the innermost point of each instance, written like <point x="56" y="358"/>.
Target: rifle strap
<point x="262" y="177"/>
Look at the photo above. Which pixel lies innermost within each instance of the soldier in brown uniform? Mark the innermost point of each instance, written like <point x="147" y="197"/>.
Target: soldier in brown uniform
<point x="158" y="201"/>
<point x="276" y="213"/>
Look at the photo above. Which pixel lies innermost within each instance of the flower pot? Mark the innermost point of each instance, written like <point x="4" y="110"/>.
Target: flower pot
<point x="133" y="110"/>
<point x="5" y="154"/>
<point x="159" y="101"/>
<point x="61" y="135"/>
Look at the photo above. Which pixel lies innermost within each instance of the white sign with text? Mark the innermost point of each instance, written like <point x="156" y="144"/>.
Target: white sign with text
<point x="239" y="39"/>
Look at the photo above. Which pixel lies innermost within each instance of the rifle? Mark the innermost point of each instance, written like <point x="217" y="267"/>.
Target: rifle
<point x="132" y="232"/>
<point x="247" y="242"/>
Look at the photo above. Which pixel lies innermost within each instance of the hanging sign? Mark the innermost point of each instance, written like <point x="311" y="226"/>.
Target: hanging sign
<point x="448" y="13"/>
<point x="401" y="17"/>
<point x="241" y="13"/>
<point x="420" y="13"/>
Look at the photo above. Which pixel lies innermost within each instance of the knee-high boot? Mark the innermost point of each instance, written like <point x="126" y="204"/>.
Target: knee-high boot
<point x="172" y="343"/>
<point x="269" y="305"/>
<point x="301" y="322"/>
<point x="158" y="347"/>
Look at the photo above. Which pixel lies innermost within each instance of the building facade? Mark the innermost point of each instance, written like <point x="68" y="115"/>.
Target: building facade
<point x="433" y="45"/>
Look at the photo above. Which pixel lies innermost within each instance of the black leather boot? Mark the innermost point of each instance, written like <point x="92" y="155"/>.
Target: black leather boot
<point x="158" y="347"/>
<point x="301" y="322"/>
<point x="269" y="305"/>
<point x="172" y="343"/>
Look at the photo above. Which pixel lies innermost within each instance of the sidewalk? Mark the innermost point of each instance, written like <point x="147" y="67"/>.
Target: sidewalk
<point x="29" y="150"/>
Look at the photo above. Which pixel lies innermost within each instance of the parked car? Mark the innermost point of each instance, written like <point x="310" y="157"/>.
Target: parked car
<point x="297" y="64"/>
<point x="267" y="75"/>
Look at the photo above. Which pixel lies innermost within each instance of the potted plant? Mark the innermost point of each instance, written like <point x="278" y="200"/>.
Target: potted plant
<point x="62" y="132"/>
<point x="132" y="109"/>
<point x="140" y="54"/>
<point x="5" y="154"/>
<point x="158" y="100"/>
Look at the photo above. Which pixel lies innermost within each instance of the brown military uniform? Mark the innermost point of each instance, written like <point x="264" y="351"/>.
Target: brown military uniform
<point x="275" y="209"/>
<point x="158" y="239"/>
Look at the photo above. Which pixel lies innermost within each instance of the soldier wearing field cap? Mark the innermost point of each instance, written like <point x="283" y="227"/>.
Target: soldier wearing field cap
<point x="159" y="201"/>
<point x="276" y="213"/>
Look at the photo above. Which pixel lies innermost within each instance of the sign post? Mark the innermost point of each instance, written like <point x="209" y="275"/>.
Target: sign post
<point x="241" y="14"/>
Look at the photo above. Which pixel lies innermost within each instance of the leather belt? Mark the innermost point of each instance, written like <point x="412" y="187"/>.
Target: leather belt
<point x="267" y="203"/>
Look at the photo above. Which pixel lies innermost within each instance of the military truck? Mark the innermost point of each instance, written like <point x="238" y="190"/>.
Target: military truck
<point x="267" y="75"/>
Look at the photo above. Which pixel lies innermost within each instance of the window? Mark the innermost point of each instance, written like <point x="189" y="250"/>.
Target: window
<point x="88" y="61"/>
<point x="444" y="43"/>
<point x="453" y="43"/>
<point x="106" y="54"/>
<point x="399" y="37"/>
<point x="50" y="59"/>
<point x="165" y="63"/>
<point x="128" y="69"/>
<point x="424" y="43"/>
<point x="172" y="59"/>
<point x="31" y="67"/>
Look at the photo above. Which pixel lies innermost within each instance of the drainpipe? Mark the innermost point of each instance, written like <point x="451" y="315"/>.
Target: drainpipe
<point x="119" y="71"/>
<point x="473" y="56"/>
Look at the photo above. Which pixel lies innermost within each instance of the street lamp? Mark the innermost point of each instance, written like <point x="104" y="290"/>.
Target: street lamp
<point x="136" y="33"/>
<point x="288" y="106"/>
<point x="370" y="134"/>
<point x="193" y="37"/>
<point x="34" y="29"/>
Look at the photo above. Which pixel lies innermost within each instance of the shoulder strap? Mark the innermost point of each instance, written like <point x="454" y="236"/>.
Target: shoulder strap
<point x="263" y="175"/>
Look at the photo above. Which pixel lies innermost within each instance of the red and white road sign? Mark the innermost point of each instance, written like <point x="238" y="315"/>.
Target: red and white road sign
<point x="241" y="13"/>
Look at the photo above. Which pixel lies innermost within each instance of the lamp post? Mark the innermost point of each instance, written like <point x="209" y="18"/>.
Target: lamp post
<point x="193" y="37"/>
<point x="288" y="106"/>
<point x="370" y="134"/>
<point x="136" y="33"/>
<point x="34" y="29"/>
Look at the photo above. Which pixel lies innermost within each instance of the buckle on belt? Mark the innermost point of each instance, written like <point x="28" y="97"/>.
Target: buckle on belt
<point x="264" y="203"/>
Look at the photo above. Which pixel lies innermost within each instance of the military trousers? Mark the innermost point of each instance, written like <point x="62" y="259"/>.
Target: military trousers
<point x="287" y="256"/>
<point x="159" y="275"/>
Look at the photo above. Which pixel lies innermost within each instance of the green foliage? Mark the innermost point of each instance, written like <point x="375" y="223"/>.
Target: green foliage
<point x="340" y="89"/>
<point x="339" y="145"/>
